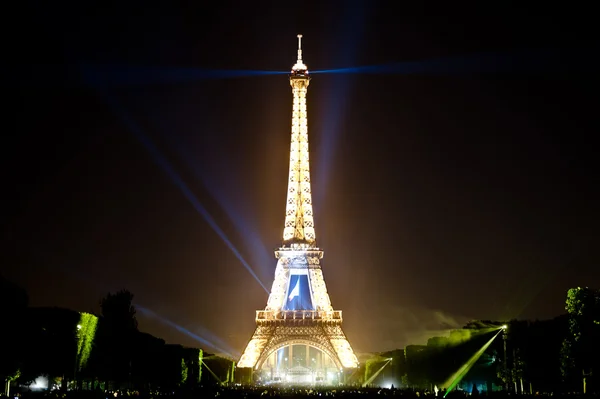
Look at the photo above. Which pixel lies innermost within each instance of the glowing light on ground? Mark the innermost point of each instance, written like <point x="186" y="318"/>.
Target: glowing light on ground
<point x="370" y="380"/>
<point x="453" y="381"/>
<point x="40" y="383"/>
<point x="211" y="372"/>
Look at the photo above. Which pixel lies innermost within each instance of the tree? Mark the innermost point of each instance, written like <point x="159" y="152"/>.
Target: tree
<point x="13" y="306"/>
<point x="117" y="333"/>
<point x="118" y="312"/>
<point x="518" y="370"/>
<point x="580" y="351"/>
<point x="184" y="372"/>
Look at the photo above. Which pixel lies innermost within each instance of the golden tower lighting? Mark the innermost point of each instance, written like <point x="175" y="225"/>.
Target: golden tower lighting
<point x="298" y="335"/>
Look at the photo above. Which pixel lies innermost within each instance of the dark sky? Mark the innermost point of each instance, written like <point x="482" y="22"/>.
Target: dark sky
<point x="440" y="196"/>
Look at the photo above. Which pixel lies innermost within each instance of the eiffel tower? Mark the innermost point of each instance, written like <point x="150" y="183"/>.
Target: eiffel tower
<point x="298" y="336"/>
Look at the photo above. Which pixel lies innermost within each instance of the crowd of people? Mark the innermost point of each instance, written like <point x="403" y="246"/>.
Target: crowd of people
<point x="251" y="392"/>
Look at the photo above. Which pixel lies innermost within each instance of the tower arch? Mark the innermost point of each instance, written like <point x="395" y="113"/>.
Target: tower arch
<point x="310" y="342"/>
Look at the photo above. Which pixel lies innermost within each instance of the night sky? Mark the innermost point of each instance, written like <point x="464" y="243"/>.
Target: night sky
<point x="442" y="193"/>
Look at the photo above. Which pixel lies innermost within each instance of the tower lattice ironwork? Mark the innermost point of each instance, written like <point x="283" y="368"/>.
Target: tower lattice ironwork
<point x="298" y="309"/>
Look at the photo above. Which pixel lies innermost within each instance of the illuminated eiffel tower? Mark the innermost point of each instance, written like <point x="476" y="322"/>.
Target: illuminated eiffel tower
<point x="299" y="337"/>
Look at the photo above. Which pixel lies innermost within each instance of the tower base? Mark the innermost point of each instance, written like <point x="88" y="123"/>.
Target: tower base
<point x="299" y="350"/>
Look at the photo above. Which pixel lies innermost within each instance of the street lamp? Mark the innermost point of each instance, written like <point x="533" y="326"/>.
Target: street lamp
<point x="76" y="354"/>
<point x="505" y="338"/>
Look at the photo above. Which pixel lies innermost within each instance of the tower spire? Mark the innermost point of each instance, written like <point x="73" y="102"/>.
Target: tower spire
<point x="299" y="66"/>
<point x="299" y="49"/>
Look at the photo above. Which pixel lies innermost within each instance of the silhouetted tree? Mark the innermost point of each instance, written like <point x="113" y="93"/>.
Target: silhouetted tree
<point x="541" y="353"/>
<point x="52" y="343"/>
<point x="117" y="332"/>
<point x="118" y="312"/>
<point x="417" y="359"/>
<point x="580" y="352"/>
<point x="148" y="361"/>
<point x="13" y="307"/>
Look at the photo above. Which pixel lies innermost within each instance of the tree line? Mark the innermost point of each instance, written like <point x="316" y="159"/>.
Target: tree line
<point x="107" y="351"/>
<point x="557" y="355"/>
<point x="74" y="350"/>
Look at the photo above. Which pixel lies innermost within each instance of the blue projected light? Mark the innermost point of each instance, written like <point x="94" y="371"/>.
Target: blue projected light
<point x="532" y="60"/>
<point x="175" y="178"/>
<point x="243" y="223"/>
<point x="114" y="75"/>
<point x="204" y="341"/>
<point x="298" y="294"/>
<point x="128" y="75"/>
<point x="347" y="44"/>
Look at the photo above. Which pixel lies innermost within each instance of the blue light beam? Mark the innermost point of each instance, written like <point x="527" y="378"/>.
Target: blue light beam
<point x="242" y="222"/>
<point x="148" y="313"/>
<point x="529" y="61"/>
<point x="126" y="75"/>
<point x="175" y="178"/>
<point x="351" y="27"/>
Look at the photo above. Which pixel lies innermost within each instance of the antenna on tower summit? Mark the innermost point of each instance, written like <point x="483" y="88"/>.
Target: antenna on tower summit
<point x="299" y="66"/>
<point x="299" y="49"/>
